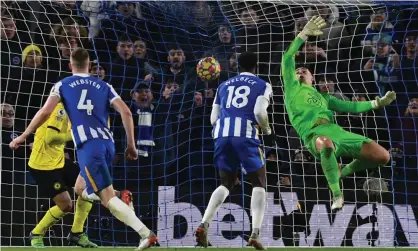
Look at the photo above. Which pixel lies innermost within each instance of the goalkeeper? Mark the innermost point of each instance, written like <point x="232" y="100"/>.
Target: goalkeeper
<point x="311" y="114"/>
<point x="54" y="176"/>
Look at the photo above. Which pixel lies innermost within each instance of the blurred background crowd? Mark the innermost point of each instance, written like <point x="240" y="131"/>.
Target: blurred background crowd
<point x="148" y="52"/>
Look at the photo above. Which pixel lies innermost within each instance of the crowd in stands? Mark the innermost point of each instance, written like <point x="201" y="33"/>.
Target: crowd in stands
<point x="150" y="61"/>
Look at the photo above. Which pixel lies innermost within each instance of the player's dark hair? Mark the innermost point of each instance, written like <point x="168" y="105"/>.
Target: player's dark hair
<point x="80" y="58"/>
<point x="247" y="62"/>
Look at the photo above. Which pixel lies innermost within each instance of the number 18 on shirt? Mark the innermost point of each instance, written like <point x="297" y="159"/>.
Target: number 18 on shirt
<point x="236" y="135"/>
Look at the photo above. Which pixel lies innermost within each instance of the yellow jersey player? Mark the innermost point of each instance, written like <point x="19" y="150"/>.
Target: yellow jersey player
<point x="55" y="176"/>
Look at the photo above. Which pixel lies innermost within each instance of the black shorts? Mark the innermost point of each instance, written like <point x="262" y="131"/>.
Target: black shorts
<point x="53" y="182"/>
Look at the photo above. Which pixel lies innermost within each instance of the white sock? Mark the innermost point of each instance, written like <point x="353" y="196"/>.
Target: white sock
<point x="87" y="196"/>
<point x="125" y="214"/>
<point x="218" y="197"/>
<point x="258" y="205"/>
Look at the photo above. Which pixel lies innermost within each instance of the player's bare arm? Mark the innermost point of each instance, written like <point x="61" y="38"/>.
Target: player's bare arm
<point x="128" y="123"/>
<point x="41" y="116"/>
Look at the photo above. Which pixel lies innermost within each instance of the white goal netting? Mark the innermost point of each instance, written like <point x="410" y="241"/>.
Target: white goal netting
<point x="366" y="50"/>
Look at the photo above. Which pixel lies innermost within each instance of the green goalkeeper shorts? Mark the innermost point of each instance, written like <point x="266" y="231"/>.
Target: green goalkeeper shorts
<point x="346" y="144"/>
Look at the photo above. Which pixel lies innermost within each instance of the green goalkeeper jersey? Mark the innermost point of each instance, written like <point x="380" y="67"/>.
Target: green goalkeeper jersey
<point x="304" y="104"/>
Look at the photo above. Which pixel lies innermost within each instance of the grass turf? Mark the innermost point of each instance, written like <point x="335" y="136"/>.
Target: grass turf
<point x="212" y="249"/>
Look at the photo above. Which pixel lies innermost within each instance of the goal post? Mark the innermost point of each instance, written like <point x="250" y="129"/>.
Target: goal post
<point x="367" y="49"/>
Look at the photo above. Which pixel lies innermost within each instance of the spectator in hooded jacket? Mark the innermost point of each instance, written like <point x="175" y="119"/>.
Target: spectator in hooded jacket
<point x="224" y="46"/>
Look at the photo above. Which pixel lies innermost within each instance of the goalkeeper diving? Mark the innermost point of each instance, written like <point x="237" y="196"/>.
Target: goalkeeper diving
<point x="311" y="114"/>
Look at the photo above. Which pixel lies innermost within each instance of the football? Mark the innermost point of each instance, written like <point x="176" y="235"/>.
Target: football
<point x="208" y="69"/>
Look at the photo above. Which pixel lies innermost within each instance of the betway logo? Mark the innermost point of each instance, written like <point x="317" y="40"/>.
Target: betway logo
<point x="226" y="233"/>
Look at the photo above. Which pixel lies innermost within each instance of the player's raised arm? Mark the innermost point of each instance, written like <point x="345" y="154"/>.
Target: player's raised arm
<point x="260" y="110"/>
<point x="312" y="28"/>
<point x="360" y="106"/>
<point x="41" y="116"/>
<point x="128" y="124"/>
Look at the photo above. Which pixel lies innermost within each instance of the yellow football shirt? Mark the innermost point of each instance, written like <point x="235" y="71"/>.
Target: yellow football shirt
<point x="46" y="156"/>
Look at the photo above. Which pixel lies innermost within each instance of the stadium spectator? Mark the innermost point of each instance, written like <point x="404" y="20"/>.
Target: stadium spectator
<point x="378" y="24"/>
<point x="141" y="52"/>
<point x="178" y="72"/>
<point x="223" y="47"/>
<point x="140" y="48"/>
<point x="11" y="160"/>
<point x="326" y="84"/>
<point x="27" y="85"/>
<point x="313" y="56"/>
<point x="154" y="120"/>
<point x="169" y="89"/>
<point x="335" y="35"/>
<point x="54" y="13"/>
<point x="98" y="71"/>
<point x="114" y="25"/>
<point x="126" y="69"/>
<point x="384" y="64"/>
<point x="7" y="117"/>
<point x="59" y="64"/>
<point x="10" y="45"/>
<point x="404" y="136"/>
<point x="32" y="57"/>
<point x="68" y="28"/>
<point x="8" y="28"/>
<point x="258" y="36"/>
<point x="409" y="64"/>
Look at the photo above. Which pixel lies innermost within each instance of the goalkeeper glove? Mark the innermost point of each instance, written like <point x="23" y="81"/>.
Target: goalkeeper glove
<point x="384" y="101"/>
<point x="314" y="26"/>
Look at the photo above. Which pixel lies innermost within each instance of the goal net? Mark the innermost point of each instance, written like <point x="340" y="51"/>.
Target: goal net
<point x="366" y="50"/>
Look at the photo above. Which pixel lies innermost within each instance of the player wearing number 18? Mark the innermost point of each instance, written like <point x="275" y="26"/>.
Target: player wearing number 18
<point x="239" y="109"/>
<point x="311" y="114"/>
<point x="87" y="100"/>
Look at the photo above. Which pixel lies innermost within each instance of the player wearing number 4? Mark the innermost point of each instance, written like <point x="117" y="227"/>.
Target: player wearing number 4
<point x="87" y="100"/>
<point x="55" y="176"/>
<point x="239" y="109"/>
<point x="311" y="114"/>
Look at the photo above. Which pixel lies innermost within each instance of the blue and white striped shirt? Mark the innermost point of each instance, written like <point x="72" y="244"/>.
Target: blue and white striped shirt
<point x="237" y="98"/>
<point x="86" y="100"/>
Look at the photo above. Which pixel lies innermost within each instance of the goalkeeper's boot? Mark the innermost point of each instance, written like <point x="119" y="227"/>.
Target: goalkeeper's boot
<point x="337" y="203"/>
<point x="254" y="241"/>
<point x="127" y="198"/>
<point x="80" y="239"/>
<point x="202" y="235"/>
<point x="148" y="242"/>
<point x="36" y="241"/>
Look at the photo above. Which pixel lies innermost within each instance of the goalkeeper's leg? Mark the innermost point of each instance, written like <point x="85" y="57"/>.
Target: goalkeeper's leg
<point x="371" y="156"/>
<point x="326" y="149"/>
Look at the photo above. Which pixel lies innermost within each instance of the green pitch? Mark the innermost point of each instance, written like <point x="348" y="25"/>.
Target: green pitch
<point x="207" y="249"/>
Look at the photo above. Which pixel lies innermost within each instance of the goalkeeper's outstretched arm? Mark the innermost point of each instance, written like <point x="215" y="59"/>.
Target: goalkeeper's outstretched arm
<point x="312" y="28"/>
<point x="338" y="105"/>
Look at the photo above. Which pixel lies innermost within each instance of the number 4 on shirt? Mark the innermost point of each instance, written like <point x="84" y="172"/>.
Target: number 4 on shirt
<point x="84" y="104"/>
